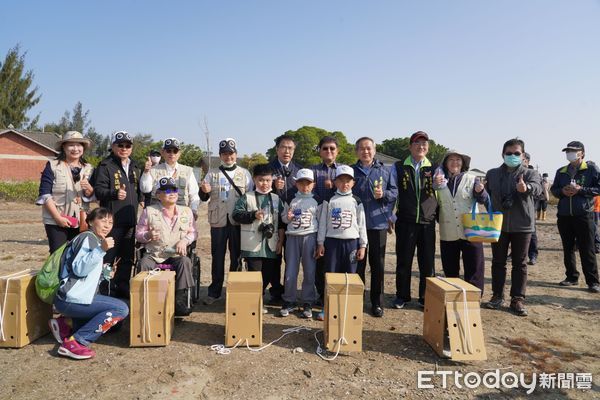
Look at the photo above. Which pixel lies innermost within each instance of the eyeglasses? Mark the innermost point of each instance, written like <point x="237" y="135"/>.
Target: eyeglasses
<point x="76" y="173"/>
<point x="172" y="151"/>
<point x="510" y="153"/>
<point x="331" y="148"/>
<point x="170" y="191"/>
<point x="124" y="145"/>
<point x="421" y="143"/>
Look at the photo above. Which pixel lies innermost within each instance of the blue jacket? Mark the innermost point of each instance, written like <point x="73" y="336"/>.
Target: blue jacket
<point x="377" y="211"/>
<point x="588" y="177"/>
<point x="81" y="269"/>
<point x="288" y="174"/>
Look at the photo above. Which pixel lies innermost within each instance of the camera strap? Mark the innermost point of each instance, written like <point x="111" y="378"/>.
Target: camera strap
<point x="237" y="189"/>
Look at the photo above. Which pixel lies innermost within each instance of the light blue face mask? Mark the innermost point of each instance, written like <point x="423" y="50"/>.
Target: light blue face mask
<point x="512" y="161"/>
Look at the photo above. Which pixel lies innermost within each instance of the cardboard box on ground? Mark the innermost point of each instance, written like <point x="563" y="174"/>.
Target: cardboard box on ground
<point x="343" y="311"/>
<point x="24" y="317"/>
<point x="152" y="308"/>
<point x="452" y="321"/>
<point x="243" y="309"/>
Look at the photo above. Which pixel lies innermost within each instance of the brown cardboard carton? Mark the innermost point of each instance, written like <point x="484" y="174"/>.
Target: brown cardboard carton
<point x="152" y="315"/>
<point x="337" y="319"/>
<point x="452" y="324"/>
<point x="24" y="316"/>
<point x="243" y="309"/>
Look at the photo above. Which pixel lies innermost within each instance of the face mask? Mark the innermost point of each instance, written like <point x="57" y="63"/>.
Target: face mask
<point x="155" y="160"/>
<point x="512" y="161"/>
<point x="227" y="165"/>
<point x="572" y="156"/>
<point x="261" y="192"/>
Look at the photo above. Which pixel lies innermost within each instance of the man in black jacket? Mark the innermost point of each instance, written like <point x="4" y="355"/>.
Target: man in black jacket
<point x="416" y="212"/>
<point x="576" y="185"/>
<point x="284" y="186"/>
<point x="116" y="186"/>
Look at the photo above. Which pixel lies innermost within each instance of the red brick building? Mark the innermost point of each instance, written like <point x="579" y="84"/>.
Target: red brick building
<point x="23" y="155"/>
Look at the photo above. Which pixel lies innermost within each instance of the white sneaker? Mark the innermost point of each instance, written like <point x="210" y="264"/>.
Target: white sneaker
<point x="265" y="310"/>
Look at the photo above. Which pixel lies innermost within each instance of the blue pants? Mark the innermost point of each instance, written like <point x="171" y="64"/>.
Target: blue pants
<point x="340" y="255"/>
<point x="300" y="247"/>
<point x="90" y="321"/>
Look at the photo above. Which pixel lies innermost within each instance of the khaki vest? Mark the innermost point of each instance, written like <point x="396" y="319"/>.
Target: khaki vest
<point x="65" y="192"/>
<point x="182" y="177"/>
<point x="251" y="238"/>
<point x="168" y="237"/>
<point x="452" y="208"/>
<point x="220" y="210"/>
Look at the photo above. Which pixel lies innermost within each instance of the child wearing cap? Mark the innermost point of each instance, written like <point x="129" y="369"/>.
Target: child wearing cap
<point x="302" y="219"/>
<point x="342" y="227"/>
<point x="182" y="174"/>
<point x="166" y="230"/>
<point x="258" y="212"/>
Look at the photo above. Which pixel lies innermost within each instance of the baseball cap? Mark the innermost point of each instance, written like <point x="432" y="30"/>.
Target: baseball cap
<point x="344" y="170"/>
<point x="418" y="135"/>
<point x="227" y="145"/>
<point x="166" y="183"/>
<point x="171" y="143"/>
<point x="121" y="137"/>
<point x="574" y="146"/>
<point x="305" y="173"/>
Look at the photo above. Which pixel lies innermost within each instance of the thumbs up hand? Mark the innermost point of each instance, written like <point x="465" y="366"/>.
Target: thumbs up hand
<point x="478" y="186"/>
<point x="122" y="194"/>
<point x="521" y="186"/>
<point x="148" y="164"/>
<point x="439" y="179"/>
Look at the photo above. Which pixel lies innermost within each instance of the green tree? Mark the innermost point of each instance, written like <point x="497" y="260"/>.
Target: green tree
<point x="307" y="140"/>
<point x="398" y="148"/>
<point x="16" y="95"/>
<point x="249" y="161"/>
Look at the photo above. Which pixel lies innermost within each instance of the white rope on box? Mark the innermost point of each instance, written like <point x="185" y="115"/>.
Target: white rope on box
<point x="8" y="278"/>
<point x="146" y="307"/>
<point x="466" y="312"/>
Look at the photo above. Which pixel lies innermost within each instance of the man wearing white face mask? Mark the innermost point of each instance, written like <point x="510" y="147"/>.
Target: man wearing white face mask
<point x="513" y="189"/>
<point x="576" y="185"/>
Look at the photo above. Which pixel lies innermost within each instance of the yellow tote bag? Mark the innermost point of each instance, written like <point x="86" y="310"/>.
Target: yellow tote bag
<point x="482" y="227"/>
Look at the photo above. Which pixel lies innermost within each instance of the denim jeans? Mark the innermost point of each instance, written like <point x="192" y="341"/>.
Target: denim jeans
<point x="90" y="321"/>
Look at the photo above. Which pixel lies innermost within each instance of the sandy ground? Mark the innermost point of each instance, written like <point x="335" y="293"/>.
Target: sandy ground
<point x="560" y="335"/>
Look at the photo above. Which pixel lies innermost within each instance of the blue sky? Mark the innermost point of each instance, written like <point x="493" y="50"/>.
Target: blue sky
<point x="470" y="73"/>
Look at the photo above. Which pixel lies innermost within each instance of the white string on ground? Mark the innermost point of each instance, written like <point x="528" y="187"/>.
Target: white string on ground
<point x="8" y="278"/>
<point x="146" y="307"/>
<point x="286" y="332"/>
<point x="466" y="325"/>
<point x="342" y="338"/>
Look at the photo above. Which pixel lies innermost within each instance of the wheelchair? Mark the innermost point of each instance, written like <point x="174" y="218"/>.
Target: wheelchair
<point x="192" y="253"/>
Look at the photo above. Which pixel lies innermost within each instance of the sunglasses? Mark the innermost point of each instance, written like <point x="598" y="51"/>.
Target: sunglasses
<point x="510" y="153"/>
<point x="76" y="173"/>
<point x="331" y="148"/>
<point x="124" y="145"/>
<point x="172" y="151"/>
<point x="170" y="191"/>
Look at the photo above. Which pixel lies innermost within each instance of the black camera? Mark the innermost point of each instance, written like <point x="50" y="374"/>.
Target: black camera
<point x="267" y="230"/>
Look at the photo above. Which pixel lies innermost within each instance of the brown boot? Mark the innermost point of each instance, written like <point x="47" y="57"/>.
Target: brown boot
<point x="543" y="215"/>
<point x="538" y="215"/>
<point x="517" y="305"/>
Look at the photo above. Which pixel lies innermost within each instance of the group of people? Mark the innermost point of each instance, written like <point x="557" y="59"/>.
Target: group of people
<point x="328" y="218"/>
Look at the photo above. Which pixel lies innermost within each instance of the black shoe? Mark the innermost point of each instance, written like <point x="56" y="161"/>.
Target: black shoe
<point x="421" y="303"/>
<point x="532" y="261"/>
<point x="377" y="311"/>
<point x="594" y="288"/>
<point x="567" y="282"/>
<point x="182" y="309"/>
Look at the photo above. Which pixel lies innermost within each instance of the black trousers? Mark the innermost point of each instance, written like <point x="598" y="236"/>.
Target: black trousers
<point x="320" y="277"/>
<point x="274" y="275"/>
<point x="264" y="265"/>
<point x="519" y="244"/>
<point x="411" y="236"/>
<point x="58" y="236"/>
<point x="376" y="255"/>
<point x="579" y="229"/>
<point x="123" y="251"/>
<point x="472" y="257"/>
<point x="533" y="246"/>
<point x="221" y="239"/>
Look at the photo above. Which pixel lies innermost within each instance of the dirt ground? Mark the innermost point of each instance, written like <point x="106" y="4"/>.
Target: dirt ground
<point x="560" y="335"/>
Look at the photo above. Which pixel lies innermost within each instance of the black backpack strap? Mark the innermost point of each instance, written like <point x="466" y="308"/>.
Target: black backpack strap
<point x="237" y="189"/>
<point x="358" y="200"/>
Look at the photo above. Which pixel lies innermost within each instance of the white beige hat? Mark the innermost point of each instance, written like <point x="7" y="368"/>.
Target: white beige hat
<point x="73" y="137"/>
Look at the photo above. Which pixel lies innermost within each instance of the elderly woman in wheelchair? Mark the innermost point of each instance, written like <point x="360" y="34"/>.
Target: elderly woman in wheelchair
<point x="166" y="230"/>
